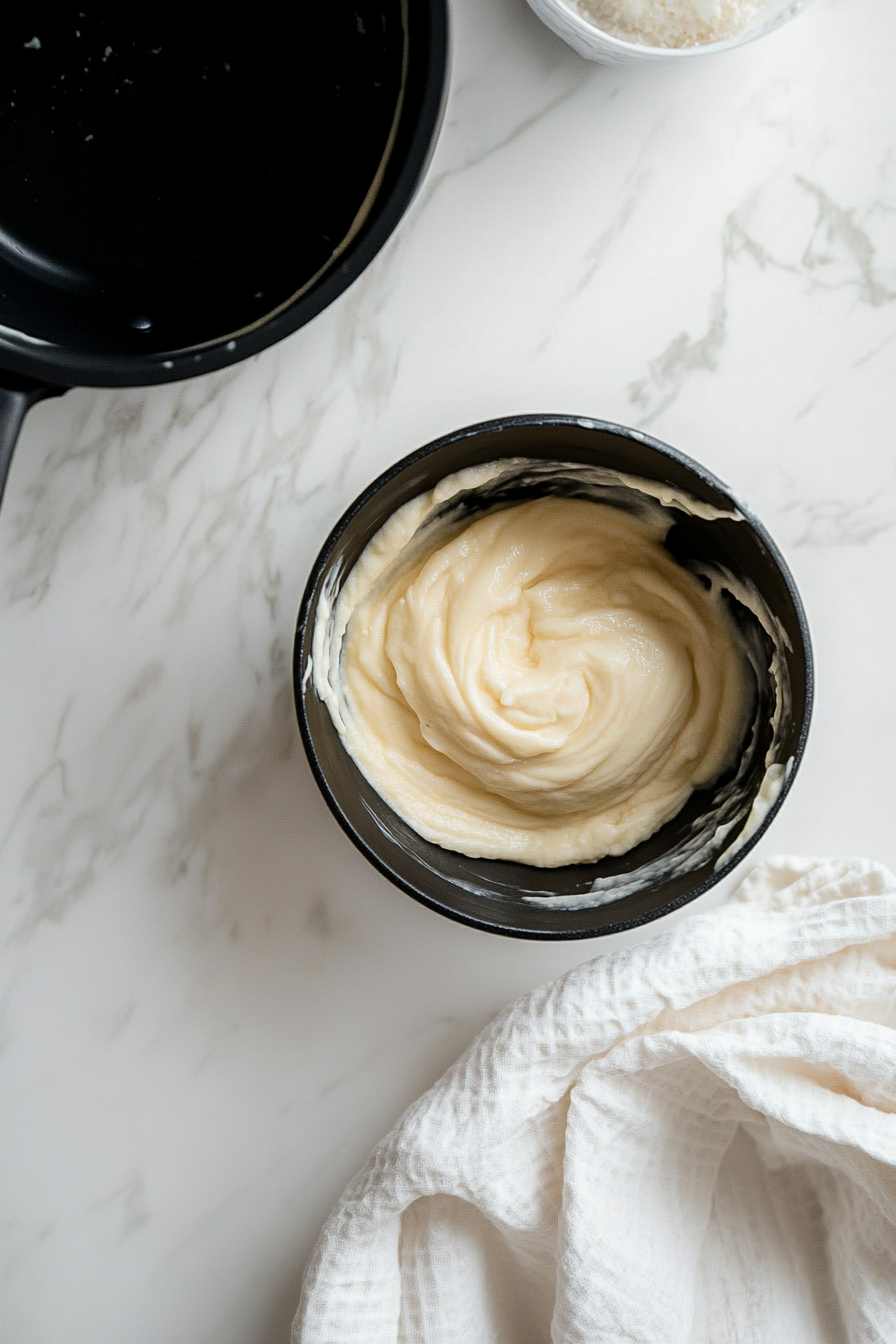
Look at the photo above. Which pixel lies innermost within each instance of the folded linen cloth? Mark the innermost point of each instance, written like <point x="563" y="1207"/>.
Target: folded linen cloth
<point x="691" y="1142"/>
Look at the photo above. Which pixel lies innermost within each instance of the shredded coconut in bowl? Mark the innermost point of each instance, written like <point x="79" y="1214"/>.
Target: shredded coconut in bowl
<point x="671" y="23"/>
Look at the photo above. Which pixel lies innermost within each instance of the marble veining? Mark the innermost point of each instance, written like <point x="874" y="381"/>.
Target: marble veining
<point x="210" y="1005"/>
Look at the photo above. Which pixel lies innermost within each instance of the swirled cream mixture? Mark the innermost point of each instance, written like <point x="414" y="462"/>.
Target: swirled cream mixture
<point x="542" y="682"/>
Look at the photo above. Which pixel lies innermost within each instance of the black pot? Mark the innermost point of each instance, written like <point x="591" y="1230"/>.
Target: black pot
<point x="182" y="189"/>
<point x="665" y="871"/>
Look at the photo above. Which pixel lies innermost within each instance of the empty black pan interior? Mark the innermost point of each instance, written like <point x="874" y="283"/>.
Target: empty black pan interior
<point x="174" y="175"/>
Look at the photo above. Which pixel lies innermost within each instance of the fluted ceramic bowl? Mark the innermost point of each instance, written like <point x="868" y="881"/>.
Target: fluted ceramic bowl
<point x="566" y="20"/>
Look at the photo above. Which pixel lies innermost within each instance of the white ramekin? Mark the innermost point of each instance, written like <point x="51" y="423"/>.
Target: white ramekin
<point x="594" y="44"/>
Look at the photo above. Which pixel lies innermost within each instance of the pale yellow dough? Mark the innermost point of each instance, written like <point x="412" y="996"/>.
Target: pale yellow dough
<point x="545" y="684"/>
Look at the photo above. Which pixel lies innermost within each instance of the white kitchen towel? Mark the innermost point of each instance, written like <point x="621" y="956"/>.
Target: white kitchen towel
<point x="693" y="1142"/>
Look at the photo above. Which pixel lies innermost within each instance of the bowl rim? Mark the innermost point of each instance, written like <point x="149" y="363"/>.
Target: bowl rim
<point x="301" y="643"/>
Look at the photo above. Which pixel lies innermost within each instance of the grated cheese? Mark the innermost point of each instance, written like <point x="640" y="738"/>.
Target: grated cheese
<point x="671" y="23"/>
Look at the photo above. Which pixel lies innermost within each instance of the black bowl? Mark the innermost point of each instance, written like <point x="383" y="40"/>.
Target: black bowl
<point x="717" y="826"/>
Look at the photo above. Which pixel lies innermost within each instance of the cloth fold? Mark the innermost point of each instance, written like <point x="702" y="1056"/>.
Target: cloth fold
<point x="689" y="1142"/>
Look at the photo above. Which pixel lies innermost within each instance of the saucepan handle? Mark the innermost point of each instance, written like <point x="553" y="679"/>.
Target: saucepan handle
<point x="17" y="394"/>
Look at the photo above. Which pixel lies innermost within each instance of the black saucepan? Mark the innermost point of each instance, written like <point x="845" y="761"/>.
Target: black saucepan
<point x="183" y="186"/>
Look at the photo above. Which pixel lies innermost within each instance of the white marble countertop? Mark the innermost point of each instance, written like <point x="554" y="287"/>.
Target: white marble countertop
<point x="210" y="1006"/>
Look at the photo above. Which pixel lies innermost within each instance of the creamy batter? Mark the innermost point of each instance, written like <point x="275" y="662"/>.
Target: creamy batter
<point x="543" y="683"/>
